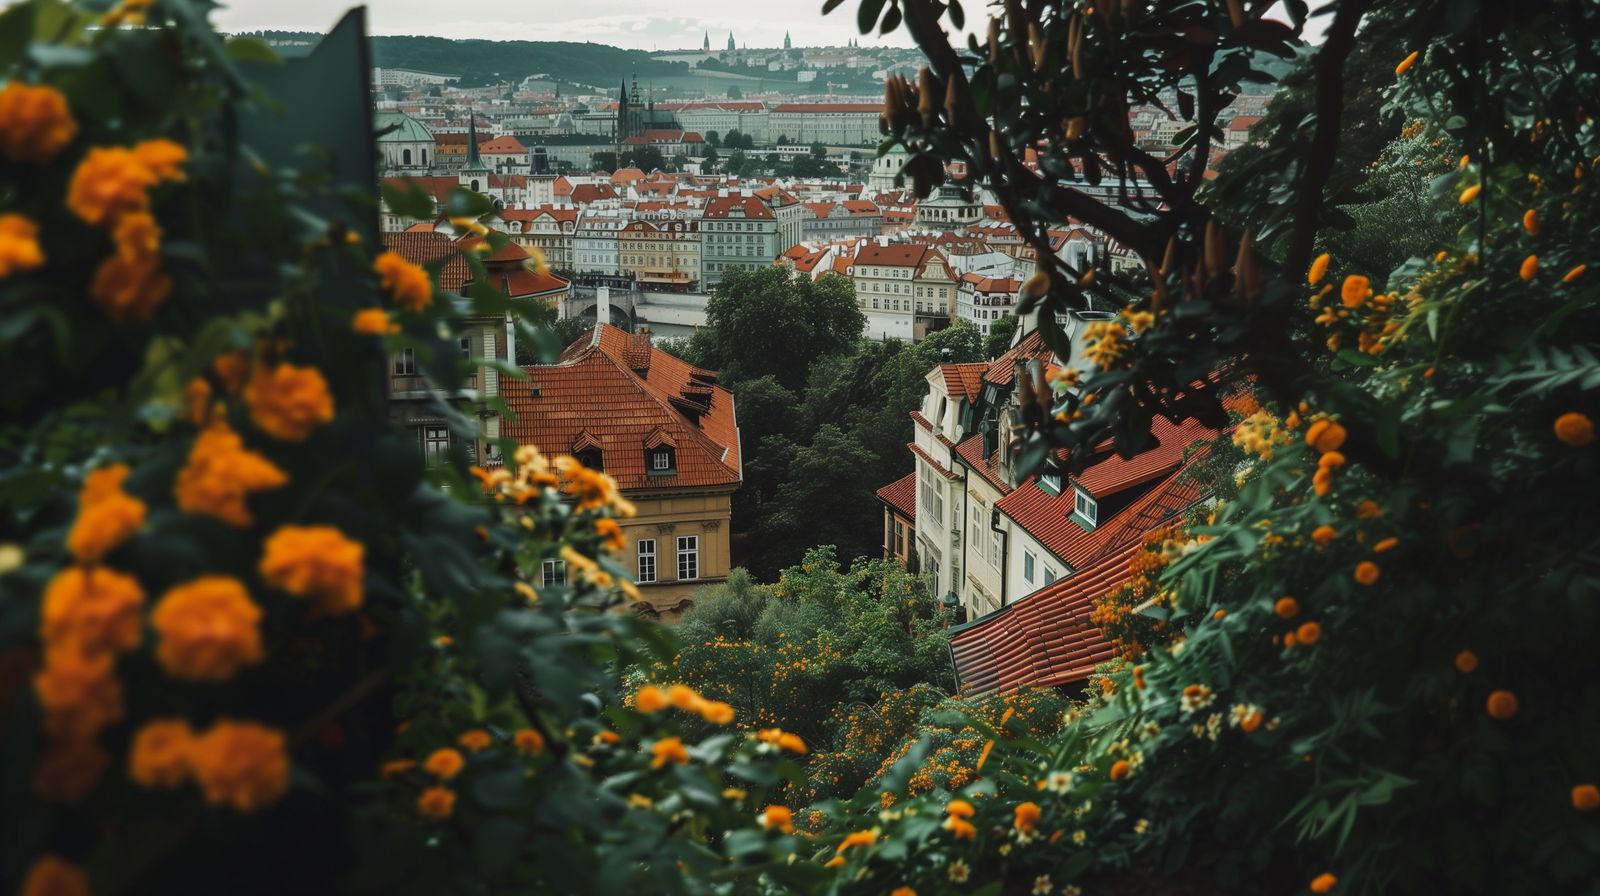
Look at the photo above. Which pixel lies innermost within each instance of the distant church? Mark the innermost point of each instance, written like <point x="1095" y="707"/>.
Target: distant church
<point x="636" y="113"/>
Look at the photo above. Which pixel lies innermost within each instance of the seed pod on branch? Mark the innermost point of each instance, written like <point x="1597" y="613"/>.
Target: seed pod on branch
<point x="994" y="41"/>
<point x="928" y="93"/>
<point x="1027" y="399"/>
<point x="1041" y="391"/>
<point x="1033" y="291"/>
<point x="1170" y="258"/>
<point x="1216" y="248"/>
<point x="1075" y="127"/>
<point x="1075" y="46"/>
<point x="1245" y="271"/>
<point x="1038" y="47"/>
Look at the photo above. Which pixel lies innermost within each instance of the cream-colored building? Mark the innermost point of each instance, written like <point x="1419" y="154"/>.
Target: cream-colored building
<point x="660" y="253"/>
<point x="666" y="431"/>
<point x="906" y="290"/>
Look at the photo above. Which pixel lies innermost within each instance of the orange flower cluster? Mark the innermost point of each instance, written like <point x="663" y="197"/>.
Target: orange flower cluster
<point x="35" y="123"/>
<point x="221" y="473"/>
<point x="19" y="245"/>
<point x="782" y="739"/>
<point x="651" y="698"/>
<point x="93" y="609"/>
<point x="107" y="515"/>
<point x="955" y="820"/>
<point x="159" y="757"/>
<point x="208" y="628"/>
<point x="475" y="740"/>
<point x="244" y="765"/>
<point x="436" y="803"/>
<point x="288" y="402"/>
<point x="1326" y="436"/>
<point x="373" y="322"/>
<point x="668" y="750"/>
<point x="592" y="489"/>
<point x="444" y="763"/>
<point x="406" y="282"/>
<point x="528" y="741"/>
<point x="1026" y="817"/>
<point x="1105" y="342"/>
<point x="111" y="189"/>
<point x="778" y="817"/>
<point x="318" y="563"/>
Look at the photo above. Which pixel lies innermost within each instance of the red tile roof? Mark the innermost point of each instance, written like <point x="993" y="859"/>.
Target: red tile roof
<point x="502" y="145"/>
<point x="899" y="255"/>
<point x="901" y="495"/>
<point x="967" y="378"/>
<point x="971" y="453"/>
<point x="611" y="387"/>
<point x="874" y="108"/>
<point x="1044" y="639"/>
<point x="583" y="194"/>
<point x="1003" y="370"/>
<point x="725" y="206"/>
<point x="423" y="246"/>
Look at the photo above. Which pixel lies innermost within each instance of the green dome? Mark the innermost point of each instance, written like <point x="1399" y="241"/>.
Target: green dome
<point x="406" y="128"/>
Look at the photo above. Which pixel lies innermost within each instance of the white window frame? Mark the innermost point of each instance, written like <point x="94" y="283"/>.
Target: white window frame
<point x="552" y="572"/>
<point x="688" y="558"/>
<point x="1085" y="506"/>
<point x="660" y="460"/>
<point x="645" y="550"/>
<point x="994" y="548"/>
<point x="1050" y="576"/>
<point x="405" y="362"/>
<point x="1029" y="564"/>
<point x="435" y="444"/>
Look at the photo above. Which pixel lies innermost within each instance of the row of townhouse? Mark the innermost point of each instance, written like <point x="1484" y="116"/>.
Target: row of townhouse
<point x="747" y="232"/>
<point x="998" y="543"/>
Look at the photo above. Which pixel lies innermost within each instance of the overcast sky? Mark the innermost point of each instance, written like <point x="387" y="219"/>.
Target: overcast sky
<point x="634" y="24"/>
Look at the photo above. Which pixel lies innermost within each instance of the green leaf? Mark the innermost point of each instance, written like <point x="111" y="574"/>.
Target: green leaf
<point x="867" y="15"/>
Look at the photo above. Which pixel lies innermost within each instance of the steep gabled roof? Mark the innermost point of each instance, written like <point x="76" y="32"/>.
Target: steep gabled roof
<point x="1003" y="370"/>
<point x="624" y="394"/>
<point x="964" y="379"/>
<point x="502" y="145"/>
<point x="423" y="246"/>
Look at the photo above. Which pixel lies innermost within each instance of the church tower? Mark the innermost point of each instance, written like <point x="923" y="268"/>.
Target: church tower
<point x="707" y="47"/>
<point x="731" y="45"/>
<point x="787" y="45"/>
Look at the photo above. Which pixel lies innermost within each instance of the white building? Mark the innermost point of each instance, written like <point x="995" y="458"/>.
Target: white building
<point x="594" y="243"/>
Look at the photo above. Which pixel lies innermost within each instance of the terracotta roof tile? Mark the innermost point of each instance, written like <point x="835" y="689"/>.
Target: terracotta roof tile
<point x="967" y="378"/>
<point x="901" y="495"/>
<point x="1003" y="370"/>
<point x="622" y="397"/>
<point x="423" y="246"/>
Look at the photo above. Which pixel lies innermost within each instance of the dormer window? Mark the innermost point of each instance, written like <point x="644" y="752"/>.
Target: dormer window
<point x="661" y="460"/>
<point x="591" y="458"/>
<point x="1050" y="482"/>
<point x="1084" y="505"/>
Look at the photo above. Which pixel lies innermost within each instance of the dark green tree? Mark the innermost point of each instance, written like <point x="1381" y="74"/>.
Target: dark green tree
<point x="999" y="338"/>
<point x="770" y="321"/>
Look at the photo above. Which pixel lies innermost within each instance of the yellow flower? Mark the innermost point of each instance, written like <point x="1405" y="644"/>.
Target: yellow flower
<point x="159" y="756"/>
<point x="444" y="763"/>
<point x="35" y="123"/>
<point x="318" y="563"/>
<point x="407" y="283"/>
<point x="78" y="691"/>
<point x="94" y="608"/>
<point x="208" y="628"/>
<point x="1574" y="429"/>
<point x="668" y="750"/>
<point x="49" y="875"/>
<point x="110" y="182"/>
<point x="1319" y="267"/>
<point x="437" y="803"/>
<point x="475" y="740"/>
<point x="221" y="473"/>
<point x="130" y="288"/>
<point x="19" y="245"/>
<point x="107" y="515"/>
<point x="288" y="402"/>
<point x="1406" y="63"/>
<point x="373" y="322"/>
<point x="717" y="712"/>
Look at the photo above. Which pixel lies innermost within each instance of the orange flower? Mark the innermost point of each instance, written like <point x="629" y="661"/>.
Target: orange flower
<point x="1251" y="721"/>
<point x="718" y="713"/>
<point x="650" y="699"/>
<point x="959" y="808"/>
<point x="1120" y="769"/>
<point x="444" y="763"/>
<point x="1530" y="222"/>
<point x="110" y="182"/>
<point x="858" y="838"/>
<point x="1466" y="661"/>
<point x="1355" y="290"/>
<point x="683" y="697"/>
<point x="902" y="891"/>
<point x="395" y="769"/>
<point x="197" y="401"/>
<point x="528" y="741"/>
<point x="241" y="764"/>
<point x="49" y="875"/>
<point x="668" y="750"/>
<point x="1325" y="435"/>
<point x="407" y="283"/>
<point x="437" y="803"/>
<point x="610" y="533"/>
<point x="35" y="123"/>
<point x="1469" y="194"/>
<point x="1574" y="429"/>
<point x="160" y="753"/>
<point x="960" y="828"/>
<point x="93" y="608"/>
<point x="1366" y="572"/>
<point x="834" y="862"/>
<point x="288" y="402"/>
<point x="1586" y="797"/>
<point x="69" y="769"/>
<point x="1319" y="267"/>
<point x="1286" y="607"/>
<point x="78" y="691"/>
<point x="1368" y="509"/>
<point x="1386" y="545"/>
<point x="137" y="235"/>
<point x="1308" y="634"/>
<point x="1574" y="274"/>
<point x="209" y="629"/>
<point x="232" y="368"/>
<point x="107" y="515"/>
<point x="1324" y="535"/>
<point x="19" y="245"/>
<point x="373" y="322"/>
<point x="1331" y="460"/>
<point x="220" y="474"/>
<point x="1530" y="266"/>
<point x="1325" y="882"/>
<point x="475" y="740"/>
<point x="130" y="288"/>
<point x="777" y="817"/>
<point x="318" y="563"/>
<point x="164" y="158"/>
<point x="1026" y="816"/>
<point x="1404" y="66"/>
<point x="1502" y="705"/>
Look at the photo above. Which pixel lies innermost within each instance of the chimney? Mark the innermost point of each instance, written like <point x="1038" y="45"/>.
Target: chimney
<point x="602" y="305"/>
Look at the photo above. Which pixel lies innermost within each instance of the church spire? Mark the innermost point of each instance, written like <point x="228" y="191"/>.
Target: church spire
<point x="731" y="45"/>
<point x="473" y="162"/>
<point x="707" y="45"/>
<point x="786" y="44"/>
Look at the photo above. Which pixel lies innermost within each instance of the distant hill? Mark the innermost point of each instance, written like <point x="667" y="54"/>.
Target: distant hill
<point x="493" y="61"/>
